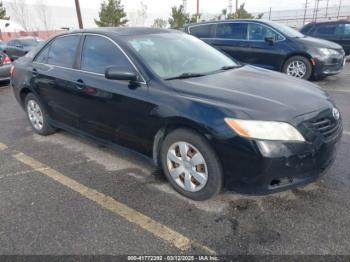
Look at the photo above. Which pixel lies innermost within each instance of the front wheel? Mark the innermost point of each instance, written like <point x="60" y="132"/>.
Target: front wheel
<point x="298" y="66"/>
<point x="191" y="165"/>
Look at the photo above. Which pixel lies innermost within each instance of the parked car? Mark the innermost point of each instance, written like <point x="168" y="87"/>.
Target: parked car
<point x="273" y="46"/>
<point x="335" y="31"/>
<point x="5" y="67"/>
<point x="204" y="118"/>
<point x="2" y="45"/>
<point x="20" y="46"/>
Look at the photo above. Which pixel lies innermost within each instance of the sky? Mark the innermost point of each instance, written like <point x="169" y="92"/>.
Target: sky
<point x="206" y="6"/>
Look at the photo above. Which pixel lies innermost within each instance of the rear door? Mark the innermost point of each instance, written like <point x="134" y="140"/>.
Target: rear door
<point x="54" y="76"/>
<point x="231" y="38"/>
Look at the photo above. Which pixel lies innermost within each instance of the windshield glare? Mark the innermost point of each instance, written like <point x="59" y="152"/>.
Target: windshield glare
<point x="173" y="54"/>
<point x="286" y="30"/>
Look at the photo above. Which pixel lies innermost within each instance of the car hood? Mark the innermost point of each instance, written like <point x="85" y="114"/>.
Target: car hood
<point x="256" y="93"/>
<point x="318" y="43"/>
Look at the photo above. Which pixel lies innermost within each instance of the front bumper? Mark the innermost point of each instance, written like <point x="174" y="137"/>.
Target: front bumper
<point x="330" y="66"/>
<point x="263" y="167"/>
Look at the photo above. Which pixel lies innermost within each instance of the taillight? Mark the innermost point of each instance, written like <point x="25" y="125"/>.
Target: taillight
<point x="13" y="70"/>
<point x="6" y="60"/>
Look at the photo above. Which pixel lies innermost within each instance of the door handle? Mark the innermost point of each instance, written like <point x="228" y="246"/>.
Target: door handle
<point x="79" y="84"/>
<point x="35" y="72"/>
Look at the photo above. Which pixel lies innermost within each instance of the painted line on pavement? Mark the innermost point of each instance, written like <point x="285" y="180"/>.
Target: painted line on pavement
<point x="3" y="147"/>
<point x="337" y="90"/>
<point x="159" y="230"/>
<point x="346" y="133"/>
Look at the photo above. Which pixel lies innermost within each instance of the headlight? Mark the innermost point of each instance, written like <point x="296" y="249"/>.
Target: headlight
<point x="265" y="130"/>
<point x="328" y="51"/>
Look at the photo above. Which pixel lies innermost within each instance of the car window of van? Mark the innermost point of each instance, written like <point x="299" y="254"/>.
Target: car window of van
<point x="63" y="51"/>
<point x="325" y="29"/>
<point x="347" y="30"/>
<point x="202" y="31"/>
<point x="258" y="32"/>
<point x="100" y="53"/>
<point x="237" y="31"/>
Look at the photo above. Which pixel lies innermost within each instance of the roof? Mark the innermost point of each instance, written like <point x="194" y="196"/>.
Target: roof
<point x="127" y="31"/>
<point x="230" y="20"/>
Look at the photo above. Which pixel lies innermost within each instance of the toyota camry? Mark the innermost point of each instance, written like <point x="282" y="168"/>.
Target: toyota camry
<point x="209" y="122"/>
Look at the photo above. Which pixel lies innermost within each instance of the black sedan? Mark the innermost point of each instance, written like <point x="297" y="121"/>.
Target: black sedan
<point x="205" y="119"/>
<point x="272" y="46"/>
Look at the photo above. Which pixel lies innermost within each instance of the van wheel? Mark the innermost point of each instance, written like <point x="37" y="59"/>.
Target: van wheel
<point x="37" y="116"/>
<point x="191" y="165"/>
<point x="298" y="66"/>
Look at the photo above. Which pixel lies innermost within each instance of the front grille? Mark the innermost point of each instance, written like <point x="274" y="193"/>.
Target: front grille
<point x="326" y="125"/>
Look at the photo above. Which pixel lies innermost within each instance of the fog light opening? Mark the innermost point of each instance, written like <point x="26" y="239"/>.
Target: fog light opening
<point x="275" y="182"/>
<point x="281" y="182"/>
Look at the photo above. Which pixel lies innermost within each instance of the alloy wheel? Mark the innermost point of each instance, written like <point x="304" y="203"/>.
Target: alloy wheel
<point x="187" y="166"/>
<point x="35" y="114"/>
<point x="297" y="69"/>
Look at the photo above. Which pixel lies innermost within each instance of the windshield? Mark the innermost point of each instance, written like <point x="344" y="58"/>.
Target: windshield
<point x="29" y="42"/>
<point x="174" y="54"/>
<point x="286" y="30"/>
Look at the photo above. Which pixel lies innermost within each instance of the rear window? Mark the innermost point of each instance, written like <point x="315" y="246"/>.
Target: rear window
<point x="307" y="29"/>
<point x="237" y="31"/>
<point x="202" y="31"/>
<point x="63" y="51"/>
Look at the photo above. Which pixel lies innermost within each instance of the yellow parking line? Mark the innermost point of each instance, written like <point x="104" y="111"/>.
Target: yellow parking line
<point x="133" y="216"/>
<point x="2" y="146"/>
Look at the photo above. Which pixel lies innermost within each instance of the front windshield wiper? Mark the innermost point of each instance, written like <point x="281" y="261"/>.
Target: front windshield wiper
<point x="185" y="75"/>
<point x="230" y="67"/>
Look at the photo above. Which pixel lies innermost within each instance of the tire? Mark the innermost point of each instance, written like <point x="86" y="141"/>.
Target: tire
<point x="209" y="168"/>
<point x="303" y="62"/>
<point x="42" y="127"/>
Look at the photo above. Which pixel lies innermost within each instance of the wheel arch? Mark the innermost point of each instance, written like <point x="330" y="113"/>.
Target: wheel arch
<point x="306" y="55"/>
<point x="176" y="123"/>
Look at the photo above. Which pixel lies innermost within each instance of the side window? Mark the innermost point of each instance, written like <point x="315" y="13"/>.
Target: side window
<point x="325" y="29"/>
<point x="43" y="55"/>
<point x="236" y="31"/>
<point x="100" y="53"/>
<point x="257" y="32"/>
<point x="347" y="31"/>
<point x="10" y="43"/>
<point x="307" y="29"/>
<point x="202" y="31"/>
<point x="63" y="50"/>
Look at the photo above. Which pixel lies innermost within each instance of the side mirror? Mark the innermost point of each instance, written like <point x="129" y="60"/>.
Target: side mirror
<point x="270" y="40"/>
<point x="120" y="73"/>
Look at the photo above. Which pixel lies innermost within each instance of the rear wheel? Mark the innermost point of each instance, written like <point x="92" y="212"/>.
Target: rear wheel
<point x="37" y="116"/>
<point x="190" y="165"/>
<point x="298" y="66"/>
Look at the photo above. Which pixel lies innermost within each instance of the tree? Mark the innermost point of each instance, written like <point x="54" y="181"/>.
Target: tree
<point x="178" y="17"/>
<point x="20" y="13"/>
<point x="241" y="13"/>
<point x="3" y="12"/>
<point x="43" y="14"/>
<point x="160" y="23"/>
<point x="142" y="13"/>
<point x="111" y="14"/>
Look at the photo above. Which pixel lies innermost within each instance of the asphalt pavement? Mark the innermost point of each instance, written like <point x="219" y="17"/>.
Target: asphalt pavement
<point x="63" y="194"/>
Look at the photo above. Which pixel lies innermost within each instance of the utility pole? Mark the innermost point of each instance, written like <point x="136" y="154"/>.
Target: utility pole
<point x="230" y="6"/>
<point x="80" y="20"/>
<point x="197" y="10"/>
<point x="305" y="10"/>
<point x="236" y="6"/>
<point x="327" y="8"/>
<point x="270" y="13"/>
<point x="317" y="3"/>
<point x="340" y="4"/>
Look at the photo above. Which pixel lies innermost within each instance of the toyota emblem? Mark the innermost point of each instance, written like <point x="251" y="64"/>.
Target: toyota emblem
<point x="336" y="113"/>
